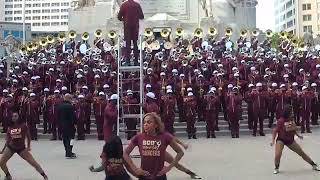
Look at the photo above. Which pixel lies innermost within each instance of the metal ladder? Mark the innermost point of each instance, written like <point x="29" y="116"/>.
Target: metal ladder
<point x="121" y="126"/>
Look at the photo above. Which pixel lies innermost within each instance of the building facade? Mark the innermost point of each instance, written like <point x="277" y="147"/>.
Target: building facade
<point x="298" y="16"/>
<point x="43" y="15"/>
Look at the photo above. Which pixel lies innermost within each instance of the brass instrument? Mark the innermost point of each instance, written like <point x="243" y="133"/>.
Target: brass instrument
<point x="283" y="35"/>
<point x="165" y="33"/>
<point x="184" y="62"/>
<point x="182" y="88"/>
<point x="29" y="46"/>
<point x="255" y="32"/>
<point x="62" y="37"/>
<point x="50" y="39"/>
<point x="269" y="33"/>
<point x="164" y="64"/>
<point x="72" y="34"/>
<point x="85" y="36"/>
<point x="148" y="32"/>
<point x="98" y="33"/>
<point x="198" y="33"/>
<point x="179" y="31"/>
<point x="243" y="32"/>
<point x="212" y="31"/>
<point x="35" y="46"/>
<point x="43" y="42"/>
<point x="23" y="49"/>
<point x="228" y="31"/>
<point x="112" y="34"/>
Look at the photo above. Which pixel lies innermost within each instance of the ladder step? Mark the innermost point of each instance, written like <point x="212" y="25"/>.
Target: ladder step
<point x="129" y="68"/>
<point x="130" y="116"/>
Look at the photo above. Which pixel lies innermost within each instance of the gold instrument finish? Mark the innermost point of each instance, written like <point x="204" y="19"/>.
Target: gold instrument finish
<point x="72" y="34"/>
<point x="112" y="34"/>
<point x="269" y="33"/>
<point x="243" y="32"/>
<point x="212" y="31"/>
<point x="43" y="42"/>
<point x="85" y="36"/>
<point x="62" y="37"/>
<point x="98" y="33"/>
<point x="148" y="32"/>
<point x="50" y="39"/>
<point x="198" y="33"/>
<point x="165" y="33"/>
<point x="29" y="46"/>
<point x="179" y="31"/>
<point x="255" y="32"/>
<point x="228" y="31"/>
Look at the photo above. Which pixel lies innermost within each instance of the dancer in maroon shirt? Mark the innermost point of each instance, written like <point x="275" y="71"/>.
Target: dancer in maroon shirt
<point x="15" y="143"/>
<point x="152" y="144"/>
<point x="283" y="135"/>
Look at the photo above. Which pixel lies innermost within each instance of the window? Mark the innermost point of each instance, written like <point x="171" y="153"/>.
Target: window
<point x="17" y="12"/>
<point x="307" y="17"/>
<point x="306" y="7"/>
<point x="36" y="11"/>
<point x="45" y="4"/>
<point x="8" y="6"/>
<point x="45" y="17"/>
<point x="55" y="4"/>
<point x="28" y="5"/>
<point x="64" y="17"/>
<point x="307" y="29"/>
<point x="64" y="23"/>
<point x="28" y="18"/>
<point x="28" y="11"/>
<point x="36" y="5"/>
<point x="55" y="10"/>
<point x="64" y="10"/>
<point x="289" y="14"/>
<point x="35" y="24"/>
<point x="17" y="18"/>
<point x="36" y="18"/>
<point x="45" y="10"/>
<point x="8" y="19"/>
<point x="65" y="4"/>
<point x="290" y="24"/>
<point x="289" y="4"/>
<point x="55" y="24"/>
<point x="54" y="17"/>
<point x="18" y="6"/>
<point x="8" y="1"/>
<point x="8" y="12"/>
<point x="45" y="24"/>
<point x="17" y="0"/>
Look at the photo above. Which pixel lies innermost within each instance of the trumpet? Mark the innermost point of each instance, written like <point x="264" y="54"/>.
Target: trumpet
<point x="98" y="33"/>
<point x="212" y="31"/>
<point x="62" y="37"/>
<point x="198" y="33"/>
<point x="228" y="31"/>
<point x="72" y="34"/>
<point x="85" y="36"/>
<point x="148" y="32"/>
<point x="112" y="34"/>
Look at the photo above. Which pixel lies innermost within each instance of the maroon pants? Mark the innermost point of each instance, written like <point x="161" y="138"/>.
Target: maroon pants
<point x="315" y="110"/>
<point x="55" y="127"/>
<point x="250" y="116"/>
<point x="258" y="116"/>
<point x="32" y="124"/>
<point x="191" y="130"/>
<point x="131" y="35"/>
<point x="168" y="121"/>
<point x="99" y="122"/>
<point x="87" y="124"/>
<point x="305" y="123"/>
<point x="234" y="123"/>
<point x="80" y="129"/>
<point x="210" y="118"/>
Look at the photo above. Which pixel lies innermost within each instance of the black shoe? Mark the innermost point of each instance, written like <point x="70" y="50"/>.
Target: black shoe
<point x="237" y="135"/>
<point x="194" y="137"/>
<point x="302" y="131"/>
<point x="309" y="131"/>
<point x="217" y="128"/>
<point x="213" y="136"/>
<point x="270" y="126"/>
<point x="254" y="134"/>
<point x="233" y="136"/>
<point x="71" y="156"/>
<point x="262" y="134"/>
<point x="189" y="136"/>
<point x="208" y="136"/>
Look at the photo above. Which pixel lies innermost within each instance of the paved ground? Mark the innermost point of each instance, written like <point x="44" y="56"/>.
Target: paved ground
<point x="215" y="159"/>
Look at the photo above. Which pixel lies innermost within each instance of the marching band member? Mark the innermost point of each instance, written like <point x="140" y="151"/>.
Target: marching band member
<point x="88" y="98"/>
<point x="6" y="104"/>
<point x="315" y="107"/>
<point x="190" y="105"/>
<point x="234" y="102"/>
<point x="295" y="103"/>
<point x="211" y="101"/>
<point x="81" y="110"/>
<point x="151" y="104"/>
<point x="54" y="101"/>
<point x="99" y="104"/>
<point x="32" y="112"/>
<point x="168" y="102"/>
<point x="45" y="110"/>
<point x="305" y="99"/>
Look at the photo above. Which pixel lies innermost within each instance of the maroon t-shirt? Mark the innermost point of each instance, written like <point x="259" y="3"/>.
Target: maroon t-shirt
<point x="130" y="13"/>
<point x="152" y="150"/>
<point x="284" y="133"/>
<point x="16" y="136"/>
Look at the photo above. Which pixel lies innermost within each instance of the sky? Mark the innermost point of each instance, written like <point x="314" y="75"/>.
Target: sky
<point x="265" y="14"/>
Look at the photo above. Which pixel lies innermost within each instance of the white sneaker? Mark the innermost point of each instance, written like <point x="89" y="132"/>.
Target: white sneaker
<point x="315" y="168"/>
<point x="276" y="171"/>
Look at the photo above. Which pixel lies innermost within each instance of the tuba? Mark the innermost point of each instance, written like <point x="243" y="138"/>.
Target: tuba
<point x="243" y="32"/>
<point x="72" y="34"/>
<point x="165" y="33"/>
<point x="43" y="42"/>
<point x="228" y="31"/>
<point x="255" y="32"/>
<point x="29" y="46"/>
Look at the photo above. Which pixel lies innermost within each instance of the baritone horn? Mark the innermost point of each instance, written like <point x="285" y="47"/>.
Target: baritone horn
<point x="85" y="36"/>
<point x="112" y="34"/>
<point x="61" y="36"/>
<point x="228" y="31"/>
<point x="72" y="34"/>
<point x="212" y="31"/>
<point x="198" y="33"/>
<point x="98" y="33"/>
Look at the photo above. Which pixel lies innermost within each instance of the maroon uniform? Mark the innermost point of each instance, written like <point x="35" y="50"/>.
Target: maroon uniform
<point x="190" y="106"/>
<point x="259" y="107"/>
<point x="99" y="104"/>
<point x="54" y="102"/>
<point x="305" y="100"/>
<point x="234" y="102"/>
<point x="32" y="112"/>
<point x="211" y="111"/>
<point x="6" y="106"/>
<point x="168" y="103"/>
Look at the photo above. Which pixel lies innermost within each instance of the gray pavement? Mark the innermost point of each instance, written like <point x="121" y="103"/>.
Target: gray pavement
<point x="214" y="159"/>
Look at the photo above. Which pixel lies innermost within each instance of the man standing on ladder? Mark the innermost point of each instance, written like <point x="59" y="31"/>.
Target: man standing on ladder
<point x="130" y="13"/>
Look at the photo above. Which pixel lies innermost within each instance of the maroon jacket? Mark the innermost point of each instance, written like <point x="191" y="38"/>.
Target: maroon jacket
<point x="130" y="13"/>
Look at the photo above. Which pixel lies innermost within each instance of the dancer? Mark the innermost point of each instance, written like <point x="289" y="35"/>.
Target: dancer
<point x="152" y="145"/>
<point x="15" y="143"/>
<point x="283" y="135"/>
